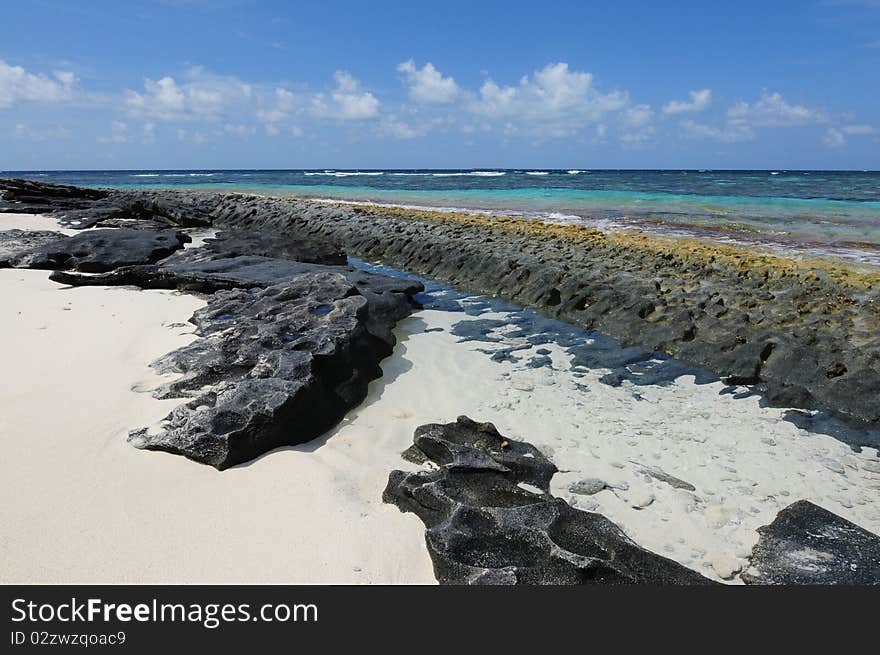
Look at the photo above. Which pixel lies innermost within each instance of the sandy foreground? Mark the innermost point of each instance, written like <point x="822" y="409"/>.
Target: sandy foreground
<point x="81" y="505"/>
<point x="84" y="506"/>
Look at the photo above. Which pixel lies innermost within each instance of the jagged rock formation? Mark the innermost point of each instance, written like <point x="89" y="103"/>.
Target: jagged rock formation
<point x="275" y="366"/>
<point x="490" y="518"/>
<point x="807" y="544"/>
<point x="289" y="339"/>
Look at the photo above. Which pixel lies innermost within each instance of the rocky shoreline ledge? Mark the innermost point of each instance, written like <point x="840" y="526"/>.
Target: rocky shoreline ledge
<point x="804" y="334"/>
<point x="291" y="336"/>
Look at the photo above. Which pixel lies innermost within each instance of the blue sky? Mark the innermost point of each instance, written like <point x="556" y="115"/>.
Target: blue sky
<point x="257" y="84"/>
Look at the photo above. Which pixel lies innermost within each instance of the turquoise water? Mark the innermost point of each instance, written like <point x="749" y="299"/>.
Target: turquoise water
<point x="826" y="211"/>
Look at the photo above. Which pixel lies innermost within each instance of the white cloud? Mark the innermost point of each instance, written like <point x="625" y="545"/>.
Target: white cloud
<point x="118" y="132"/>
<point x="638" y="116"/>
<point x="394" y="127"/>
<point x="771" y="110"/>
<point x="285" y="104"/>
<point x="699" y="101"/>
<point x="241" y="131"/>
<point x="427" y="84"/>
<point x="638" y="125"/>
<point x="194" y="137"/>
<point x="347" y="102"/>
<point x="834" y="138"/>
<point x="860" y="130"/>
<point x="741" y="119"/>
<point x="25" y="131"/>
<point x="729" y="133"/>
<point x="202" y="97"/>
<point x="554" y="101"/>
<point x="18" y="86"/>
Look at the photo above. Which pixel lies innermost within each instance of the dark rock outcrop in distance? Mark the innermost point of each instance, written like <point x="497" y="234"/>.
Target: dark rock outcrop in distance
<point x="490" y="518"/>
<point x="99" y="251"/>
<point x="15" y="244"/>
<point x="81" y="208"/>
<point x="27" y="197"/>
<point x="807" y="544"/>
<point x="273" y="367"/>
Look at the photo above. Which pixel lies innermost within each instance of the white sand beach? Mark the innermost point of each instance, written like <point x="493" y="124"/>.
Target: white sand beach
<point x="88" y="507"/>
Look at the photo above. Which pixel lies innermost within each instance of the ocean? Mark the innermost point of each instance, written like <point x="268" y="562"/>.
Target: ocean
<point x="814" y="212"/>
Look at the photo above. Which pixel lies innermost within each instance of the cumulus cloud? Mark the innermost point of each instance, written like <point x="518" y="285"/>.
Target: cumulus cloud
<point x="18" y="86"/>
<point x="638" y="116"/>
<point x="742" y="119"/>
<point x="396" y="128"/>
<point x="201" y="97"/>
<point x="860" y="130"/>
<point x="554" y="101"/>
<point x="728" y="133"/>
<point x="53" y="133"/>
<point x="427" y="85"/>
<point x="771" y="110"/>
<point x="118" y="132"/>
<point x="638" y="124"/>
<point x="833" y="138"/>
<point x="282" y="107"/>
<point x="239" y="130"/>
<point x="699" y="101"/>
<point x="347" y="102"/>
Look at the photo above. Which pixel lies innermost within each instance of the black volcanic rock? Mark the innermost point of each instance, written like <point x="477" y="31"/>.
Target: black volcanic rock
<point x="15" y="244"/>
<point x="28" y="197"/>
<point x="275" y="366"/>
<point x="807" y="544"/>
<point x="233" y="243"/>
<point x="97" y="251"/>
<point x="490" y="518"/>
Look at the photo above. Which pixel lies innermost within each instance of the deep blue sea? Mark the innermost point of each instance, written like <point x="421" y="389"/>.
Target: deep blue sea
<point x="799" y="211"/>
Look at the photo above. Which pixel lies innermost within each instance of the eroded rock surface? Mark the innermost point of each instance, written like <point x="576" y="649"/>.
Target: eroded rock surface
<point x="14" y="244"/>
<point x="101" y="250"/>
<point x="807" y="544"/>
<point x="274" y="366"/>
<point x="28" y="197"/>
<point x="490" y="518"/>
